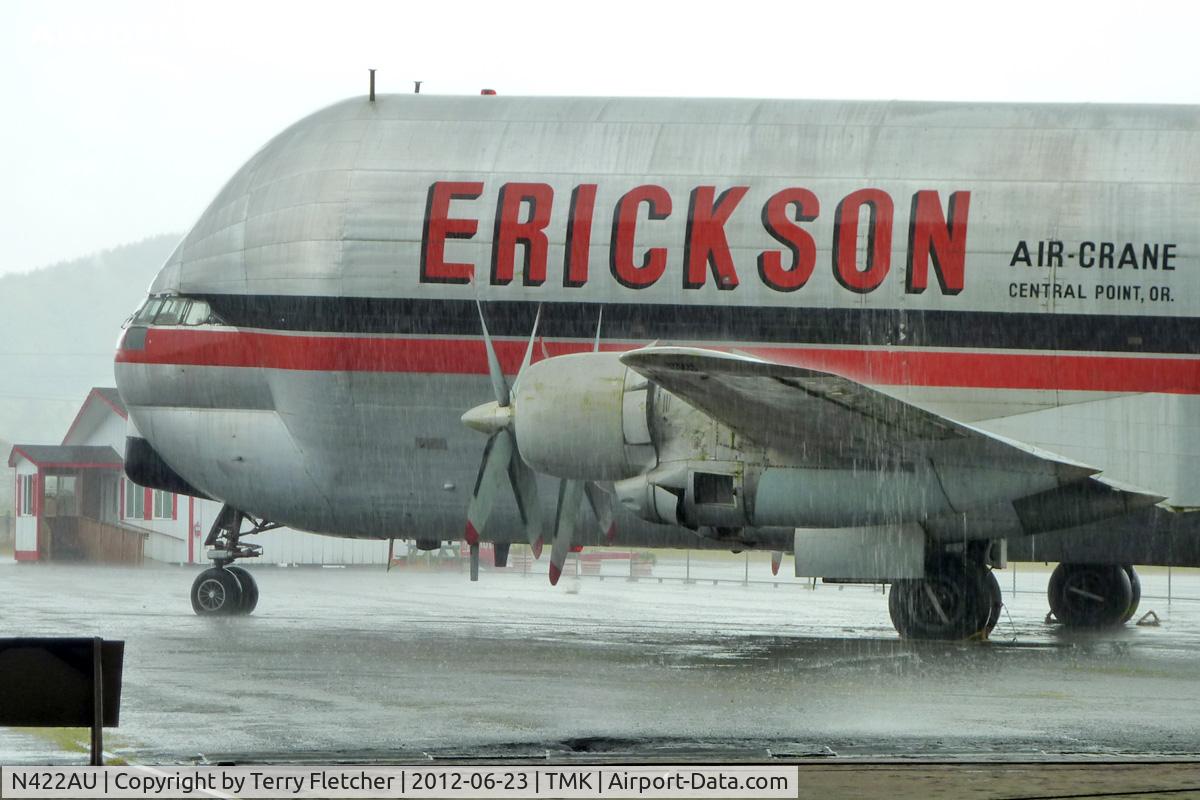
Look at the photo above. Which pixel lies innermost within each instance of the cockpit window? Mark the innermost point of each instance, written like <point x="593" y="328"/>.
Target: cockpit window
<point x="145" y="314"/>
<point x="198" y="313"/>
<point x="172" y="311"/>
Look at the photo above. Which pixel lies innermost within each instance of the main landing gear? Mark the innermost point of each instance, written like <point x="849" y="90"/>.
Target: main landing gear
<point x="225" y="589"/>
<point x="1094" y="595"/>
<point x="959" y="598"/>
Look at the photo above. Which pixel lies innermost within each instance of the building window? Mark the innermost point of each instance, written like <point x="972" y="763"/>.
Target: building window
<point x="135" y="501"/>
<point x="164" y="505"/>
<point x="25" y="487"/>
<point x="58" y="496"/>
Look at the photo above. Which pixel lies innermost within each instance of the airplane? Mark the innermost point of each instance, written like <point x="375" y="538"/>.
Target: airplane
<point x="892" y="339"/>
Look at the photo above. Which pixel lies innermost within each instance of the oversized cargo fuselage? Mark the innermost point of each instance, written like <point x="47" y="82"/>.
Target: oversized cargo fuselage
<point x="1028" y="268"/>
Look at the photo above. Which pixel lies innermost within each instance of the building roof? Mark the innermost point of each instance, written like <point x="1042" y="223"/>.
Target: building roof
<point x="80" y="456"/>
<point x="101" y="400"/>
<point x="110" y="395"/>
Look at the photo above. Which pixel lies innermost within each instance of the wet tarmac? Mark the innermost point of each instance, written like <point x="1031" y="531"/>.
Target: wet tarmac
<point x="359" y="664"/>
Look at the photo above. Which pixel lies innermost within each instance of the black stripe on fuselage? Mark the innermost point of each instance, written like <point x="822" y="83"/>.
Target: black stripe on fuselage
<point x="717" y="323"/>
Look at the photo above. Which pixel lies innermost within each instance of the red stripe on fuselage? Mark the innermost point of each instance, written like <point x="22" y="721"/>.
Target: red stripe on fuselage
<point x="872" y="365"/>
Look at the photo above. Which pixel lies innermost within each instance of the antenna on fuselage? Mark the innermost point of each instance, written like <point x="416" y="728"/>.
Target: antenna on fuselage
<point x="371" y="96"/>
<point x="417" y="87"/>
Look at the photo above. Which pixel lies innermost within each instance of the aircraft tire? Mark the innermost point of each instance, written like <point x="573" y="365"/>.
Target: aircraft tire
<point x="249" y="589"/>
<point x="1090" y="595"/>
<point x="997" y="602"/>
<point x="216" y="592"/>
<point x="1135" y="585"/>
<point x="962" y="593"/>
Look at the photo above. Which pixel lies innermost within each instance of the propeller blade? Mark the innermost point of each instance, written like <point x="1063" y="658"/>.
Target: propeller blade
<point x="776" y="560"/>
<point x="601" y="504"/>
<point x="499" y="385"/>
<point x="570" y="495"/>
<point x="496" y="457"/>
<point x="599" y="322"/>
<point x="524" y="486"/>
<point x="529" y="350"/>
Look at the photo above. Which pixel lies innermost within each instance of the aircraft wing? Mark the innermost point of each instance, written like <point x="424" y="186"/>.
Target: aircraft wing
<point x="827" y="420"/>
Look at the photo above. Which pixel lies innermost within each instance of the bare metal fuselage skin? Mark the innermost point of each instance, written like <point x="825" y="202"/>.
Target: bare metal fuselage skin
<point x="1031" y="270"/>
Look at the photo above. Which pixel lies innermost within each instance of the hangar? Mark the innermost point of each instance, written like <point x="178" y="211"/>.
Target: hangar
<point x="73" y="502"/>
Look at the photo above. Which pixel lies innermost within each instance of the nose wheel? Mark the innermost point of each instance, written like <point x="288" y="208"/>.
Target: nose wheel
<point x="225" y="589"/>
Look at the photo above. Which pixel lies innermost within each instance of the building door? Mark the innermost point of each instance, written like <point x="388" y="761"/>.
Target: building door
<point x="110" y="503"/>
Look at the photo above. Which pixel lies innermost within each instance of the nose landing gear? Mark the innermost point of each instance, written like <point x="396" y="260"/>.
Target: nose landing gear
<point x="225" y="589"/>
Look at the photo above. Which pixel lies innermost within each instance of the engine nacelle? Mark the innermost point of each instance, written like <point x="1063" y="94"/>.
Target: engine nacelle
<point x="689" y="493"/>
<point x="583" y="416"/>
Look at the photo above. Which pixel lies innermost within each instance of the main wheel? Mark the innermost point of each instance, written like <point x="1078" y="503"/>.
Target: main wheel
<point x="216" y="592"/>
<point x="1090" y="595"/>
<point x="249" y="589"/>
<point x="953" y="601"/>
<point x="996" y="602"/>
<point x="1135" y="586"/>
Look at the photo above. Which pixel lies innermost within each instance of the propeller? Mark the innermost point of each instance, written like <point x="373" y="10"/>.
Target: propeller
<point x="571" y="494"/>
<point x="502" y="456"/>
<point x="601" y="505"/>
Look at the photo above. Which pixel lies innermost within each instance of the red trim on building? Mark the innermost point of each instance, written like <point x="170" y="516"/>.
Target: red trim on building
<point x="78" y="465"/>
<point x="78" y="416"/>
<point x="120" y="412"/>
<point x="148" y="503"/>
<point x="17" y="497"/>
<point x="25" y="555"/>
<point x="38" y="488"/>
<point x="61" y="464"/>
<point x="870" y="365"/>
<point x="121" y="512"/>
<point x="16" y="451"/>
<point x="94" y="393"/>
<point x="174" y="506"/>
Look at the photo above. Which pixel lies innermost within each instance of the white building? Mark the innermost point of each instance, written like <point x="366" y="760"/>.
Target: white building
<point x="73" y="501"/>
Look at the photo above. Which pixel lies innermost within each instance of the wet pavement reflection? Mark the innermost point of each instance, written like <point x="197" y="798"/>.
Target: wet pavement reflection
<point x="363" y="664"/>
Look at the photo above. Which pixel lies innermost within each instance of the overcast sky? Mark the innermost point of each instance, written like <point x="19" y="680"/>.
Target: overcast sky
<point x="123" y="119"/>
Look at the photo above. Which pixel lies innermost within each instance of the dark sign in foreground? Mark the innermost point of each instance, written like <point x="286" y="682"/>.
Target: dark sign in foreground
<point x="62" y="682"/>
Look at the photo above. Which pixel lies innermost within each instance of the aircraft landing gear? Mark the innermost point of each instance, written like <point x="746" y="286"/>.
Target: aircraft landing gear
<point x="1093" y="595"/>
<point x="959" y="598"/>
<point x="1136" y="586"/>
<point x="224" y="589"/>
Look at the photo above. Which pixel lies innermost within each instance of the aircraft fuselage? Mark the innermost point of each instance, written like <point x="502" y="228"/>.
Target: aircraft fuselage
<point x="1031" y="270"/>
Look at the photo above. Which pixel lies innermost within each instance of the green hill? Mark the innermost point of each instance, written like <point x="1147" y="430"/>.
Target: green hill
<point x="58" y="328"/>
